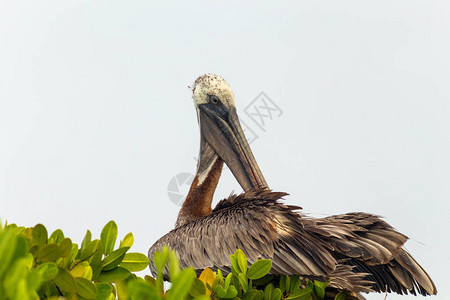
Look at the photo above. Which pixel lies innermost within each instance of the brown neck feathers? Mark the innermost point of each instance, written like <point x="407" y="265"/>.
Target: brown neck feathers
<point x="199" y="199"/>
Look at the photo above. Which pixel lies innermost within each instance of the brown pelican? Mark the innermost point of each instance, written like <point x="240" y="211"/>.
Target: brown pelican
<point x="359" y="251"/>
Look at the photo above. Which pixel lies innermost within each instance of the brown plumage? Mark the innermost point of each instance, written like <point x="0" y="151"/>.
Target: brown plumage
<point x="359" y="252"/>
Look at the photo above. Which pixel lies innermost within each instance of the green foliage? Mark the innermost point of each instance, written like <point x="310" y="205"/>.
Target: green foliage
<point x="246" y="282"/>
<point x="34" y="265"/>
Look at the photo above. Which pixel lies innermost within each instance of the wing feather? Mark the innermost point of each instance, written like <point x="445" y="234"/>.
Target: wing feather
<point x="359" y="251"/>
<point x="374" y="247"/>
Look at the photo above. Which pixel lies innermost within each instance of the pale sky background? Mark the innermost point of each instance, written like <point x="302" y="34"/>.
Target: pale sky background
<point x="96" y="116"/>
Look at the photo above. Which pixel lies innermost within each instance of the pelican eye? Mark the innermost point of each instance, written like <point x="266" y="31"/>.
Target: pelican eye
<point x="213" y="99"/>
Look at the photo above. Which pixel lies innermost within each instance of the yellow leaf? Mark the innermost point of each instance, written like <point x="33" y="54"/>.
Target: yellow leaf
<point x="82" y="269"/>
<point x="207" y="277"/>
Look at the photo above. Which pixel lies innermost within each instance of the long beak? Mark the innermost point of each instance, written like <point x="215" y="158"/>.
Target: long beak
<point x="222" y="133"/>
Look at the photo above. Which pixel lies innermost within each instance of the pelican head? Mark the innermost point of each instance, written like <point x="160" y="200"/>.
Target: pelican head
<point x="208" y="86"/>
<point x="221" y="133"/>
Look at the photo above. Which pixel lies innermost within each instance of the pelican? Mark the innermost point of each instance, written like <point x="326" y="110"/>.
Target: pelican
<point x="358" y="251"/>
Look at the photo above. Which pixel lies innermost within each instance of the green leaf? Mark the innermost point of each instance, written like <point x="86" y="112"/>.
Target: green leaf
<point x="160" y="259"/>
<point x="85" y="288"/>
<point x="135" y="262"/>
<point x="231" y="292"/>
<point x="243" y="281"/>
<point x="252" y="295"/>
<point x="241" y="260"/>
<point x="21" y="248"/>
<point x="65" y="281"/>
<point x="204" y="297"/>
<point x="65" y="247"/>
<point x="150" y="280"/>
<point x="283" y="283"/>
<point x="219" y="274"/>
<point x="220" y="292"/>
<point x="29" y="260"/>
<point x="108" y="237"/>
<point x="127" y="241"/>
<point x="28" y="233"/>
<point x="114" y="275"/>
<point x="295" y="283"/>
<point x="236" y="284"/>
<point x="104" y="290"/>
<point x="141" y="290"/>
<point x="259" y="269"/>
<point x="323" y="285"/>
<point x="342" y="295"/>
<point x="34" y="250"/>
<point x="319" y="288"/>
<point x="34" y="281"/>
<point x="96" y="270"/>
<point x="122" y="290"/>
<point x="50" y="252"/>
<point x="174" y="267"/>
<point x="92" y="252"/>
<point x="73" y="254"/>
<point x="40" y="235"/>
<point x="288" y="283"/>
<point x="263" y="280"/>
<point x="17" y="272"/>
<point x="47" y="271"/>
<point x="228" y="280"/>
<point x="300" y="294"/>
<point x="181" y="284"/>
<point x="114" y="259"/>
<point x="268" y="290"/>
<point x="7" y="247"/>
<point x="81" y="269"/>
<point x="56" y="237"/>
<point x="320" y="291"/>
<point x="86" y="240"/>
<point x="198" y="288"/>
<point x="234" y="265"/>
<point x="21" y="291"/>
<point x="276" y="294"/>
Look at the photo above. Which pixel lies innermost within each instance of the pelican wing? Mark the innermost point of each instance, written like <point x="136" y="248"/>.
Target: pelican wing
<point x="254" y="226"/>
<point x="373" y="247"/>
<point x="359" y="251"/>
